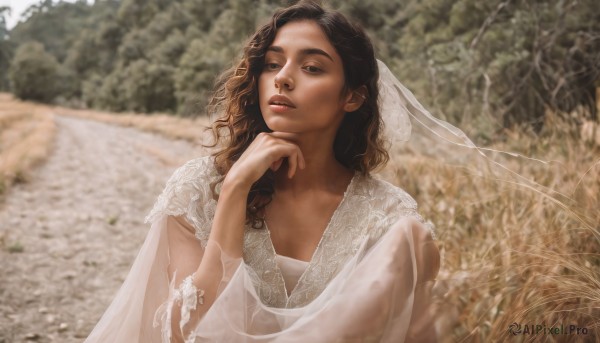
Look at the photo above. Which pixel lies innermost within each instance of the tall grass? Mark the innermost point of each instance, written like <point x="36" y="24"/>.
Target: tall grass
<point x="26" y="135"/>
<point x="511" y="253"/>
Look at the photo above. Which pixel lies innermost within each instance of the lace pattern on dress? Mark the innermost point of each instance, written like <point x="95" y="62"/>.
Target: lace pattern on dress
<point x="368" y="209"/>
<point x="188" y="296"/>
<point x="188" y="193"/>
<point x="259" y="256"/>
<point x="338" y="242"/>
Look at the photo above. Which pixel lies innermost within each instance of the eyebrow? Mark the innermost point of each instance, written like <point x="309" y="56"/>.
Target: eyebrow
<point x="308" y="51"/>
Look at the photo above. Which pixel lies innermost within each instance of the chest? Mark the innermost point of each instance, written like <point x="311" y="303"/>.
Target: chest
<point x="326" y="233"/>
<point x="296" y="227"/>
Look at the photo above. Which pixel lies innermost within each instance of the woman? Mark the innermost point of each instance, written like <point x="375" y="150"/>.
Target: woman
<point x="283" y="235"/>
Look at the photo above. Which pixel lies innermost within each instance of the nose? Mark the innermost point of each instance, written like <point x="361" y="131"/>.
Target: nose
<point x="283" y="79"/>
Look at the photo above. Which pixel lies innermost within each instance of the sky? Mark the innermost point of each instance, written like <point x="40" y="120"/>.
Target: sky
<point x="18" y="7"/>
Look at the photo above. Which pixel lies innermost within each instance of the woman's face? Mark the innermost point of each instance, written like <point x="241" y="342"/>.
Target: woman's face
<point x="300" y="87"/>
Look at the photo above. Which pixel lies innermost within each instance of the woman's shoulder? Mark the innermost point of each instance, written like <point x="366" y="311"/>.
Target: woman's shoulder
<point x="391" y="203"/>
<point x="195" y="170"/>
<point x="190" y="183"/>
<point x="388" y="195"/>
<point x="191" y="175"/>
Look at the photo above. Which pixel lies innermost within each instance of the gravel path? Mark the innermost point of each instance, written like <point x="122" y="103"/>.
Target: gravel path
<point x="79" y="222"/>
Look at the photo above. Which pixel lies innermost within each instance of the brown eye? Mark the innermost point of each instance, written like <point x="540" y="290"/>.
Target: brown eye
<point x="312" y="69"/>
<point x="271" y="66"/>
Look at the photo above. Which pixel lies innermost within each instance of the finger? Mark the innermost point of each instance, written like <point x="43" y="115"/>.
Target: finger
<point x="288" y="137"/>
<point x="275" y="165"/>
<point x="292" y="164"/>
<point x="301" y="161"/>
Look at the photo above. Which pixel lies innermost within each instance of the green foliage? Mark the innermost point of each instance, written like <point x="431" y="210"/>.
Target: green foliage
<point x="478" y="64"/>
<point x="107" y="92"/>
<point x="169" y="51"/>
<point x="140" y="13"/>
<point x="34" y="73"/>
<point x="56" y="26"/>
<point x="4" y="10"/>
<point x="204" y="12"/>
<point x="149" y="87"/>
<point x="506" y="62"/>
<point x="6" y="49"/>
<point x="90" y="92"/>
<point x="194" y="77"/>
<point x="211" y="53"/>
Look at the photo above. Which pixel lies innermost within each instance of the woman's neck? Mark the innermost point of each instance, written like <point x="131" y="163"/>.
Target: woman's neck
<point x="322" y="173"/>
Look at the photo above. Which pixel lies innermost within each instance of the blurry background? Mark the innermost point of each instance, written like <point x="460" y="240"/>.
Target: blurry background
<point x="494" y="63"/>
<point x="111" y="96"/>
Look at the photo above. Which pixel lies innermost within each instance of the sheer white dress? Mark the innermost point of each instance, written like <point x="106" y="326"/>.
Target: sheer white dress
<point x="369" y="279"/>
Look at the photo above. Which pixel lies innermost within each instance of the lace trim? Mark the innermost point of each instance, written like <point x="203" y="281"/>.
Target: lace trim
<point x="368" y="209"/>
<point x="335" y="245"/>
<point x="188" y="296"/>
<point x="188" y="193"/>
<point x="259" y="256"/>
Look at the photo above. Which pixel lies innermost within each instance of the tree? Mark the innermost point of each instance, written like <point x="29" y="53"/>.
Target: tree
<point x="140" y="13"/>
<point x="56" y="26"/>
<point x="6" y="48"/>
<point x="4" y="10"/>
<point x="93" y="53"/>
<point x="195" y="77"/>
<point x="33" y="73"/>
<point x="170" y="50"/>
<point x="111" y="93"/>
<point x="475" y="63"/>
<point x="149" y="87"/>
<point x="208" y="55"/>
<point x="510" y="61"/>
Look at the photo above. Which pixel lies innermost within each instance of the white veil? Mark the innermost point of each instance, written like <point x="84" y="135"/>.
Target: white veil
<point x="526" y="248"/>
<point x="408" y="125"/>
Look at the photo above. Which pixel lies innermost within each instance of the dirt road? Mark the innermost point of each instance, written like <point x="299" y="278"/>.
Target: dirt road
<point x="72" y="232"/>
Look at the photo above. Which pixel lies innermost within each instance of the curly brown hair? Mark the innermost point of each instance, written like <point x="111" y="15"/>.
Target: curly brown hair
<point x="358" y="144"/>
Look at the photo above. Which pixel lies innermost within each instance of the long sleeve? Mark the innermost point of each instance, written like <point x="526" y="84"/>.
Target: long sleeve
<point x="385" y="296"/>
<point x="369" y="281"/>
<point x="130" y="316"/>
<point x="187" y="303"/>
<point x="427" y="257"/>
<point x="381" y="295"/>
<point x="185" y="254"/>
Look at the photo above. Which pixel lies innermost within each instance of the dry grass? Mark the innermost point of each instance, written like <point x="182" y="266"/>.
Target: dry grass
<point x="26" y="135"/>
<point x="511" y="253"/>
<point x="27" y="131"/>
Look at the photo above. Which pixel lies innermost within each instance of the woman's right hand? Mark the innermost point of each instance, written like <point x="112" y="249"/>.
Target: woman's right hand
<point x="268" y="150"/>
